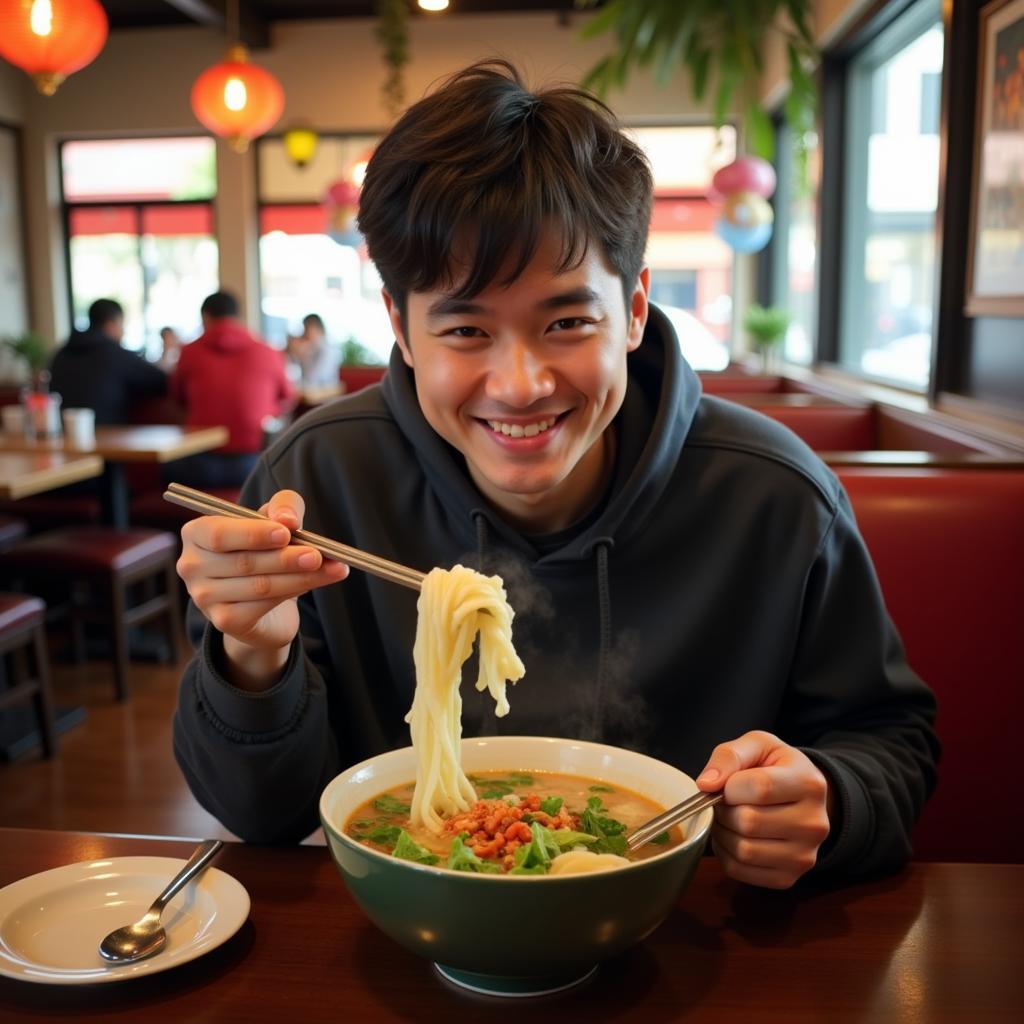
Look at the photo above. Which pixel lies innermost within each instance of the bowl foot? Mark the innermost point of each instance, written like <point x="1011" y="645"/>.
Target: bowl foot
<point x="501" y="985"/>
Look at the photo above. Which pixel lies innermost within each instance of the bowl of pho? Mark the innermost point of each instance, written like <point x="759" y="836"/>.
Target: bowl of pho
<point x="540" y="838"/>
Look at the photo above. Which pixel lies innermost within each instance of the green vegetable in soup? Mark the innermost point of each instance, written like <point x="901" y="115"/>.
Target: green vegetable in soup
<point x="608" y="831"/>
<point x="566" y="839"/>
<point x="535" y="857"/>
<point x="660" y="839"/>
<point x="551" y="805"/>
<point x="408" y="849"/>
<point x="601" y="789"/>
<point x="380" y="832"/>
<point x="390" y="805"/>
<point x="462" y="858"/>
<point x="497" y="791"/>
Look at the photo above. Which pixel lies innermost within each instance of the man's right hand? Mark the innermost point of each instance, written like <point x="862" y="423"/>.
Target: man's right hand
<point x="246" y="577"/>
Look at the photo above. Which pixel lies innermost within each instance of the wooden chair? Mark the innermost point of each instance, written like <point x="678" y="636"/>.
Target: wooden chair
<point x="21" y="635"/>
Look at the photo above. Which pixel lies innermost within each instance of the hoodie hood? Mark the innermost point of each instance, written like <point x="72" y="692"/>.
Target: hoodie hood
<point x="661" y="400"/>
<point x="89" y="340"/>
<point x="227" y="336"/>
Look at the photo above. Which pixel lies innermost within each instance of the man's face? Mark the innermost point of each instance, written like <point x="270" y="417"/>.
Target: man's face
<point x="524" y="380"/>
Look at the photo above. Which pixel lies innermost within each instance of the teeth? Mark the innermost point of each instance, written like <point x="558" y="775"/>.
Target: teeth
<point x="519" y="430"/>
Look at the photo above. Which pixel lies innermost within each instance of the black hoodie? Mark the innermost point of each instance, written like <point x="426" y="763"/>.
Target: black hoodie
<point x="721" y="586"/>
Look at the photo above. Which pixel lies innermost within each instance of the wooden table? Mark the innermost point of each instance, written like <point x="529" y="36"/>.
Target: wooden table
<point x="936" y="943"/>
<point x="22" y="474"/>
<point x="119" y="445"/>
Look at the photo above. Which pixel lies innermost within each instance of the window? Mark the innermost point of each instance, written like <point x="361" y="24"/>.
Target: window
<point x="303" y="269"/>
<point x="13" y="287"/>
<point x="795" y="248"/>
<point x="139" y="223"/>
<point x="892" y="168"/>
<point x="691" y="267"/>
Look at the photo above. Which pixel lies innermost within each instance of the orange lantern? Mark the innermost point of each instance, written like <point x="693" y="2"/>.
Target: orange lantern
<point x="50" y="39"/>
<point x="237" y="100"/>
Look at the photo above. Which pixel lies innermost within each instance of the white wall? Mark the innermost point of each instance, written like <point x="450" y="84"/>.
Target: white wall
<point x="13" y="85"/>
<point x="331" y="72"/>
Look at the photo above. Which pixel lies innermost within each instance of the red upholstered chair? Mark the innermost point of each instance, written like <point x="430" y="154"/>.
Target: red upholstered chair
<point x="21" y="642"/>
<point x="98" y="571"/>
<point x="150" y="509"/>
<point x="11" y="531"/>
<point x="828" y="428"/>
<point x="948" y="545"/>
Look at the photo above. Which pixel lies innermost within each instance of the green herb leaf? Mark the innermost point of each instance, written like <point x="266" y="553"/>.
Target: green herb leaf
<point x="607" y="831"/>
<point x="390" y="805"/>
<point x="566" y="838"/>
<point x="518" y="779"/>
<point x="462" y="858"/>
<point x="661" y="839"/>
<point x="537" y="853"/>
<point x="385" y="835"/>
<point x="551" y="805"/>
<point x="496" y="793"/>
<point x="408" y="849"/>
<point x="601" y="789"/>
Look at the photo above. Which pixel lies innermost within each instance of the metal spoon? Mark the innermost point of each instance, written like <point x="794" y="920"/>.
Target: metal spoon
<point x="673" y="816"/>
<point x="147" y="936"/>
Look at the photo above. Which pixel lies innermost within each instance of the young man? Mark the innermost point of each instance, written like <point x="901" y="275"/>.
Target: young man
<point x="93" y="371"/>
<point x="686" y="575"/>
<point x="228" y="377"/>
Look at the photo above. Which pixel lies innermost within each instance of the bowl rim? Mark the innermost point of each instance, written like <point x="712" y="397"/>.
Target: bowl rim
<point x="471" y="877"/>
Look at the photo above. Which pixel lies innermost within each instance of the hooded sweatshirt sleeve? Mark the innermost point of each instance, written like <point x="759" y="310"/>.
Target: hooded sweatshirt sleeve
<point x="858" y="710"/>
<point x="257" y="761"/>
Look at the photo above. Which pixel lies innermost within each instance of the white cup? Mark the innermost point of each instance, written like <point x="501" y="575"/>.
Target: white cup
<point x="80" y="428"/>
<point x="14" y="420"/>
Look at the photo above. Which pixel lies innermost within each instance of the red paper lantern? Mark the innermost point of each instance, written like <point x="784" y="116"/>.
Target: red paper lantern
<point x="237" y="100"/>
<point x="50" y="39"/>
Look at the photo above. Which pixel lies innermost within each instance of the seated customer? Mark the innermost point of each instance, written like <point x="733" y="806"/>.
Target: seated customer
<point x="315" y="356"/>
<point x="93" y="371"/>
<point x="227" y="377"/>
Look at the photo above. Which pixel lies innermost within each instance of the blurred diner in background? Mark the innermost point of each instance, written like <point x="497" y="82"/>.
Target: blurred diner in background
<point x="836" y="238"/>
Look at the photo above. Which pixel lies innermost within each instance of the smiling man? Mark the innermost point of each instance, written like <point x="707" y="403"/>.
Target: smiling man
<point x="687" y="576"/>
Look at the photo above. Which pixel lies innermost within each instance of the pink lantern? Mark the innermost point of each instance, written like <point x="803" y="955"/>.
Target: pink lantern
<point x="745" y="174"/>
<point x="341" y="204"/>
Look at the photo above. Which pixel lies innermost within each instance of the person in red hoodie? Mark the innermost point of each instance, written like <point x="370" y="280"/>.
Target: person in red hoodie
<point x="227" y="377"/>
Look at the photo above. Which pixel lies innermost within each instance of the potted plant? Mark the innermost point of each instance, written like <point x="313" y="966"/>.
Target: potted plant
<point x="767" y="328"/>
<point x="359" y="366"/>
<point x="32" y="351"/>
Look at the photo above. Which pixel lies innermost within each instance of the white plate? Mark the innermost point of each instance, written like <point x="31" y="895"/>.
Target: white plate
<point x="51" y="923"/>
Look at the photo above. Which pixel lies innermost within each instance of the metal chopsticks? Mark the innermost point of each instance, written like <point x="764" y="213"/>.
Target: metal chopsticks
<point x="673" y="816"/>
<point x="211" y="505"/>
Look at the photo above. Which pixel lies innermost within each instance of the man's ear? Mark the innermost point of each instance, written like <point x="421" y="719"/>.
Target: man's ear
<point x="395" y="316"/>
<point x="638" y="309"/>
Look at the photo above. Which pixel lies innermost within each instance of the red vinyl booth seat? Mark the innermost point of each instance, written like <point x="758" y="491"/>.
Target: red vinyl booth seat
<point x="828" y="428"/>
<point x="948" y="546"/>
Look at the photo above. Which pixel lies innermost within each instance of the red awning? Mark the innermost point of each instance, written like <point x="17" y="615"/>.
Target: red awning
<point x="165" y="221"/>
<point x="305" y="219"/>
<point x="683" y="215"/>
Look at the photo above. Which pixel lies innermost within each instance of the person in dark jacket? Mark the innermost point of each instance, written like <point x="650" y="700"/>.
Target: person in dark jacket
<point x="93" y="371"/>
<point x="687" y="576"/>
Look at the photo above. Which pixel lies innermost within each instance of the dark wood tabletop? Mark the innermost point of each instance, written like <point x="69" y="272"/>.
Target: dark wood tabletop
<point x="935" y="943"/>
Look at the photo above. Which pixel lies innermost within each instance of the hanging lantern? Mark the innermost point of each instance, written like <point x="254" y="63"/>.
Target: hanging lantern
<point x="237" y="100"/>
<point x="50" y="39"/>
<point x="300" y="143"/>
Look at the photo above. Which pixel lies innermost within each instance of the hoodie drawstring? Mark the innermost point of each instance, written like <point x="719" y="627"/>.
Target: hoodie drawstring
<point x="480" y="521"/>
<point x="604" y="605"/>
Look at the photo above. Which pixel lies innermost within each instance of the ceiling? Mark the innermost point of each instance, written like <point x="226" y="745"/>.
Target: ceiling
<point x="256" y="15"/>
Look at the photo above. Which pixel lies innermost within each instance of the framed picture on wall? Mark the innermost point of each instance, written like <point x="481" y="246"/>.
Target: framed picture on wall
<point x="995" y="266"/>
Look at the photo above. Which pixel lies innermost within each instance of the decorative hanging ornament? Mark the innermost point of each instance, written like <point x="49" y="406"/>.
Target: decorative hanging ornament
<point x="237" y="100"/>
<point x="742" y="189"/>
<point x="341" y="204"/>
<point x="300" y="142"/>
<point x="51" y="39"/>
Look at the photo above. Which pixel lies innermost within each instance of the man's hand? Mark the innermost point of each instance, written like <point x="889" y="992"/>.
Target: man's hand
<point x="245" y="576"/>
<point x="774" y="816"/>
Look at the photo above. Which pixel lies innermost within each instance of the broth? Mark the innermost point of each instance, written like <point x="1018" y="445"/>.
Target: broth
<point x="578" y="812"/>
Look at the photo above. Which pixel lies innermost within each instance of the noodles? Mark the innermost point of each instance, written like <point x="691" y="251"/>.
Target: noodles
<point x="583" y="862"/>
<point x="453" y="607"/>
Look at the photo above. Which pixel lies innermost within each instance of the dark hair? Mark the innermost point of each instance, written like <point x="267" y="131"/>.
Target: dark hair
<point x="314" y="320"/>
<point x="486" y="163"/>
<point x="103" y="312"/>
<point x="219" y="304"/>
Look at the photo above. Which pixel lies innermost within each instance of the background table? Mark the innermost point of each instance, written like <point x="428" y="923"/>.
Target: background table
<point x="936" y="943"/>
<point x="118" y="445"/>
<point x="23" y="474"/>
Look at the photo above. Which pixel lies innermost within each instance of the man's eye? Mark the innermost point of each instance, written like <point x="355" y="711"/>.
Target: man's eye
<point x="465" y="332"/>
<point x="569" y="323"/>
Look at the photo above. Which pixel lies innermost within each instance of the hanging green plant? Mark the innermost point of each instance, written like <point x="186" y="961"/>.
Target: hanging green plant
<point x="721" y="44"/>
<point x="393" y="35"/>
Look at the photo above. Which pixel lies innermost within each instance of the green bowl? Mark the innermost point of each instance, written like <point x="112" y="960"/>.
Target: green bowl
<point x="438" y="913"/>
